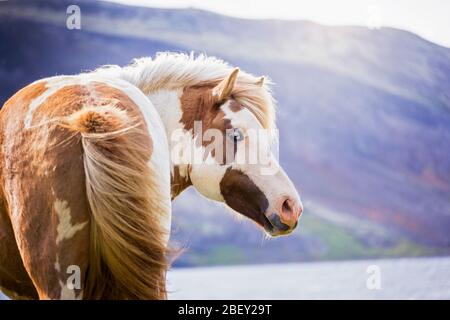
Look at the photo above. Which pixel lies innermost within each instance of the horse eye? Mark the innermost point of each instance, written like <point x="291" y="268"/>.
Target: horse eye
<point x="235" y="135"/>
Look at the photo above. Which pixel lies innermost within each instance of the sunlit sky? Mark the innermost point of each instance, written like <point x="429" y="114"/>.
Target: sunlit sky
<point x="427" y="18"/>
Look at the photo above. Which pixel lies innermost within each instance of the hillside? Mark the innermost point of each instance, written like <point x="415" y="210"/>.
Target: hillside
<point x="364" y="119"/>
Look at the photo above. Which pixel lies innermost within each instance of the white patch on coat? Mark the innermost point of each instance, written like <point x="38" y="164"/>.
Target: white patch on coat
<point x="65" y="229"/>
<point x="168" y="105"/>
<point x="206" y="179"/>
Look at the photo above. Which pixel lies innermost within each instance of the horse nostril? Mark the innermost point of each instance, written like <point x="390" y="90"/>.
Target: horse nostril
<point x="287" y="206"/>
<point x="291" y="208"/>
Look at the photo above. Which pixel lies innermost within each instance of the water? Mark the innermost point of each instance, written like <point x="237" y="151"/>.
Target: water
<point x="419" y="278"/>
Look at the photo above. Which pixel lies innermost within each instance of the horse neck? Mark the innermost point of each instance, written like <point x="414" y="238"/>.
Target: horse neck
<point x="168" y="105"/>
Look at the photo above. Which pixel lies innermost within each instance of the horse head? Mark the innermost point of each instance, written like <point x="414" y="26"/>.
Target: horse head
<point x="225" y="151"/>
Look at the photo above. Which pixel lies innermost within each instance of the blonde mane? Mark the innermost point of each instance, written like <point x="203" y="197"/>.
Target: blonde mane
<point x="172" y="71"/>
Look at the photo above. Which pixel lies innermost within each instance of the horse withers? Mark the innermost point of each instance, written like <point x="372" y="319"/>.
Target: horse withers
<point x="90" y="163"/>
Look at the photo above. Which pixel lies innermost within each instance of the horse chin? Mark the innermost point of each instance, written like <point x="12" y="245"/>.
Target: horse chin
<point x="277" y="233"/>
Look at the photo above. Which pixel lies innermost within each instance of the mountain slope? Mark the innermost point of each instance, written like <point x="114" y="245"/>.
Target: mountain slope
<point x="364" y="119"/>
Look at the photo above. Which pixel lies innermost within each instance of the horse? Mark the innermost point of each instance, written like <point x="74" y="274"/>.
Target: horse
<point x="88" y="172"/>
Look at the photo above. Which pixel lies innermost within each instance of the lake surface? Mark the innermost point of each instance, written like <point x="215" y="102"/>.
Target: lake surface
<point x="418" y="278"/>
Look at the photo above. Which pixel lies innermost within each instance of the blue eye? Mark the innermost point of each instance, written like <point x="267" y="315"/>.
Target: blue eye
<point x="235" y="134"/>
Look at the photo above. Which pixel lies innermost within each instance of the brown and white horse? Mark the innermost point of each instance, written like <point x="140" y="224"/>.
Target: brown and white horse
<point x="88" y="170"/>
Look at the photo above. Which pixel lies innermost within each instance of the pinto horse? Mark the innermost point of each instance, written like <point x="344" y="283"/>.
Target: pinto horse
<point x="88" y="171"/>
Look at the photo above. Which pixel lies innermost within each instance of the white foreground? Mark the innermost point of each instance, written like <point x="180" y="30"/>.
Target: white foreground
<point x="417" y="278"/>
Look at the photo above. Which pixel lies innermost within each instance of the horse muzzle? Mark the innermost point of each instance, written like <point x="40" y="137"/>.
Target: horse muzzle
<point x="284" y="219"/>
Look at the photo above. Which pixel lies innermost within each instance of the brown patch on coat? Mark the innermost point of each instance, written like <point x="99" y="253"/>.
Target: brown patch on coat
<point x="242" y="195"/>
<point x="13" y="276"/>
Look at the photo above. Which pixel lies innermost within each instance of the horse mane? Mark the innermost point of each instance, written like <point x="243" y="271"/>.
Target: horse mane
<point x="172" y="71"/>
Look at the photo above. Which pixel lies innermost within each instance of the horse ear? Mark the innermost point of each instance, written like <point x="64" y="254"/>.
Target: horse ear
<point x="260" y="82"/>
<point x="225" y="87"/>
